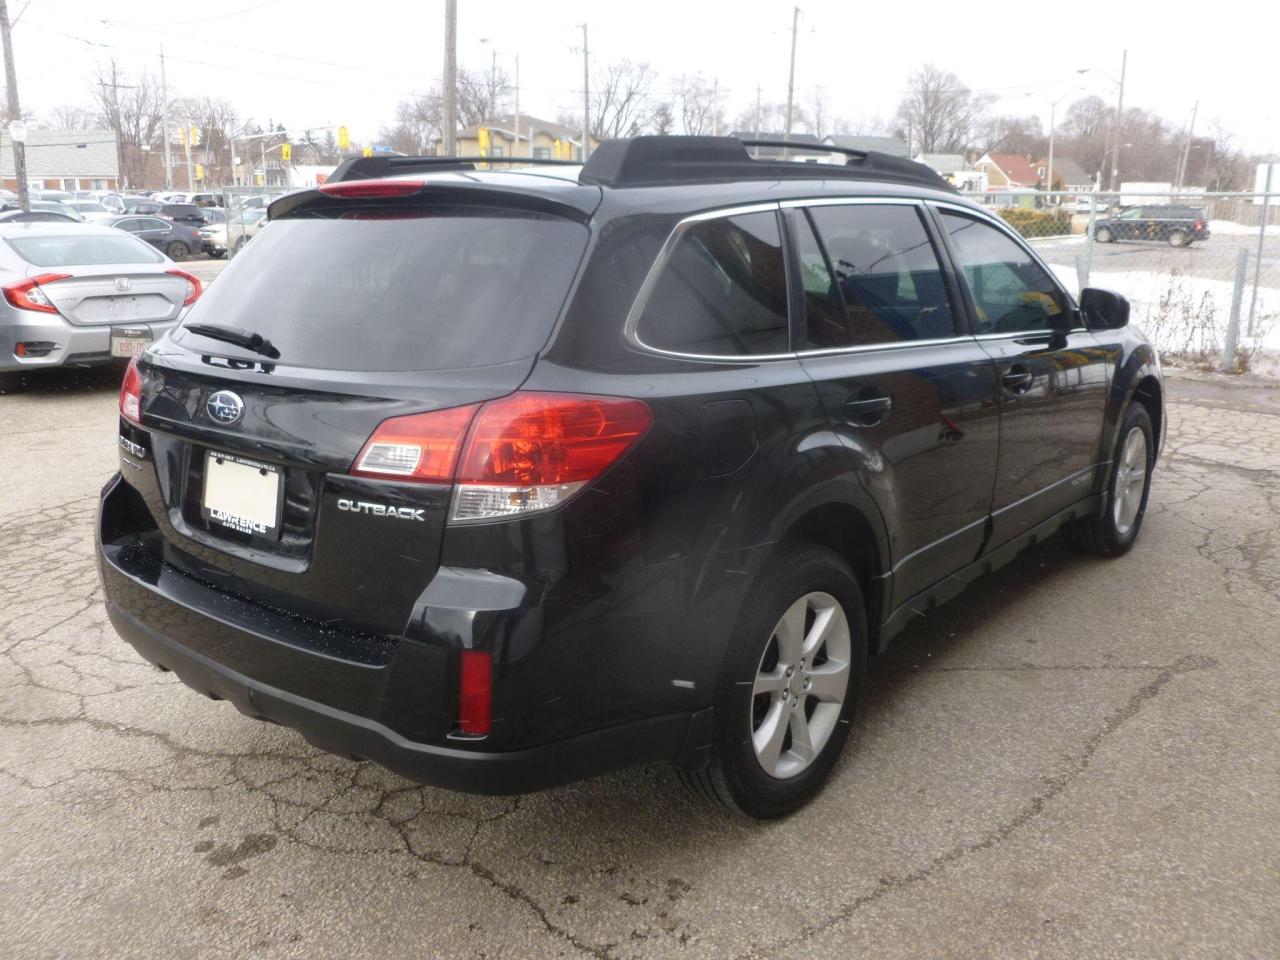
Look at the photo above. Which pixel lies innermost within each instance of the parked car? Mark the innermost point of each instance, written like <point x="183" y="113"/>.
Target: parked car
<point x="176" y="240"/>
<point x="251" y="203"/>
<point x="18" y="215"/>
<point x="1086" y="203"/>
<point x="54" y="195"/>
<point x="47" y="206"/>
<point x="1175" y="225"/>
<point x="81" y="293"/>
<point x="204" y="200"/>
<point x="90" y="210"/>
<point x="241" y="227"/>
<point x="504" y="480"/>
<point x="187" y="213"/>
<point x="142" y="205"/>
<point x="213" y="215"/>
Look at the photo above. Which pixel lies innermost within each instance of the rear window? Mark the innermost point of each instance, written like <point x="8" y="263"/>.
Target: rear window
<point x="71" y="251"/>
<point x="447" y="288"/>
<point x="182" y="209"/>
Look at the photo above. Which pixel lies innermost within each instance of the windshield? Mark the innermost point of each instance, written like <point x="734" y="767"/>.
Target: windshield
<point x="399" y="290"/>
<point x="71" y="251"/>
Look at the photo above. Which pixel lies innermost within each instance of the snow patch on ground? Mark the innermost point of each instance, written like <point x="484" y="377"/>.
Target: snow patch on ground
<point x="1231" y="228"/>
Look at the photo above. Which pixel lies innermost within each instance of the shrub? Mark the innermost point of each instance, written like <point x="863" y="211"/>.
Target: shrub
<point x="1037" y="223"/>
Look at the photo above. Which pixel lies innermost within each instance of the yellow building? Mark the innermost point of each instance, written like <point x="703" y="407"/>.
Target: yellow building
<point x="539" y="139"/>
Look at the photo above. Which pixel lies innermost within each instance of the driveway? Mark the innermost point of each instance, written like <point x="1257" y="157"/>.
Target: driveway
<point x="1077" y="758"/>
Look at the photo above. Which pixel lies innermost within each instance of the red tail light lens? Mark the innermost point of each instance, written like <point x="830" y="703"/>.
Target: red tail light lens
<point x="530" y="451"/>
<point x="372" y="189"/>
<point x="27" y="295"/>
<point x="475" y="693"/>
<point x="421" y="446"/>
<point x="193" y="286"/>
<point x="524" y="452"/>
<point x="131" y="393"/>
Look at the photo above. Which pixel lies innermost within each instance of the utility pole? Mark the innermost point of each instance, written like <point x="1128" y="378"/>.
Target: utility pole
<point x="715" y="106"/>
<point x="791" y="76"/>
<point x="1186" y="151"/>
<point x="1115" y="132"/>
<point x="186" y="145"/>
<point x="15" y="114"/>
<point x="450" y="77"/>
<point x="515" y="147"/>
<point x="164" y="123"/>
<point x="757" y="130"/>
<point x="586" y="98"/>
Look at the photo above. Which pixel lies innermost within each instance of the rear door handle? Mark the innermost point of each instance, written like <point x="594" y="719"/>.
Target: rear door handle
<point x="867" y="407"/>
<point x="1017" y="379"/>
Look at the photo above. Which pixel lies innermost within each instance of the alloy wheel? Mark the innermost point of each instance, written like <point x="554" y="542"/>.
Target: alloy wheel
<point x="1131" y="480"/>
<point x="801" y="684"/>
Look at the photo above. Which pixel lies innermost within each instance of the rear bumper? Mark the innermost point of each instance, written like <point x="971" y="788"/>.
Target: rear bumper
<point x="72" y="344"/>
<point x="390" y="700"/>
<point x="358" y="738"/>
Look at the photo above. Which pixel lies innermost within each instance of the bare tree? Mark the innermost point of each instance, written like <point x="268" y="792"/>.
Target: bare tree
<point x="621" y="99"/>
<point x="482" y="95"/>
<point x="699" y="105"/>
<point x="215" y="119"/>
<point x="419" y="125"/>
<point x="941" y="113"/>
<point x="772" y="120"/>
<point x="69" y="116"/>
<point x="131" y="107"/>
<point x="662" y="120"/>
<point x="1013" y="134"/>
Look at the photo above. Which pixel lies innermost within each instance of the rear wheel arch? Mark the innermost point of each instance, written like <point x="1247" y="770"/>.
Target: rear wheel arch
<point x="1150" y="394"/>
<point x="844" y="529"/>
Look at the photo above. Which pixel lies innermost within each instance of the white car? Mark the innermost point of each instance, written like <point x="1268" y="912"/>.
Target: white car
<point x="242" y="228"/>
<point x="91" y="211"/>
<point x="1085" y="203"/>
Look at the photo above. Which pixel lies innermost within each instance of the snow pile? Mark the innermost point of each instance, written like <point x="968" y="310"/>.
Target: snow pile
<point x="1223" y="228"/>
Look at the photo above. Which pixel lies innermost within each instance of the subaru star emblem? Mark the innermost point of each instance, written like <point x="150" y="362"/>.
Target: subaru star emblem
<point x="225" y="407"/>
<point x="123" y="284"/>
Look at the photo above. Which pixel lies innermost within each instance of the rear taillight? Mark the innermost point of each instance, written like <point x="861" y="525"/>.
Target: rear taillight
<point x="27" y="295"/>
<point x="475" y="693"/>
<point x="1199" y="224"/>
<point x="372" y="189"/>
<point x="131" y="393"/>
<point x="421" y="446"/>
<point x="522" y="453"/>
<point x="531" y="451"/>
<point x="193" y="286"/>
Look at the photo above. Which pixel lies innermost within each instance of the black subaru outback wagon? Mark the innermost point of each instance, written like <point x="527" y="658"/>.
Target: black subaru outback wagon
<point x="503" y="479"/>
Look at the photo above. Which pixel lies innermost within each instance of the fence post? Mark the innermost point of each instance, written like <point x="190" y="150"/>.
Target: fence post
<point x="1262" y="242"/>
<point x="1227" y="363"/>
<point x="1088" y="235"/>
<point x="1082" y="270"/>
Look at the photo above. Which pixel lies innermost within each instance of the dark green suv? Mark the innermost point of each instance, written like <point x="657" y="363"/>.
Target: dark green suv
<point x="1177" y="226"/>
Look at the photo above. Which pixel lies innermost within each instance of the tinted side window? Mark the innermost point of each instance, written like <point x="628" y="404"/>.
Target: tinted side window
<point x="1011" y="292"/>
<point x="886" y="273"/>
<point x="826" y="321"/>
<point x="722" y="291"/>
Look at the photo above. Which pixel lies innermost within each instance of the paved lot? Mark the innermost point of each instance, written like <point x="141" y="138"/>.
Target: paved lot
<point x="1212" y="259"/>
<point x="1078" y="760"/>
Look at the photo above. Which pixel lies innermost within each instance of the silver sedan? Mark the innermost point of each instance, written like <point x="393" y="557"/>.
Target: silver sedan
<point x="78" y="293"/>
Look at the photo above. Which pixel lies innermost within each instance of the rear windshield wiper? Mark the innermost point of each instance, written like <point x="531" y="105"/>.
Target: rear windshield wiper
<point x="241" y="338"/>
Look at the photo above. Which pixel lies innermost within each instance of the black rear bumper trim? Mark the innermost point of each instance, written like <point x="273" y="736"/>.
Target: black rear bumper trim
<point x="661" y="738"/>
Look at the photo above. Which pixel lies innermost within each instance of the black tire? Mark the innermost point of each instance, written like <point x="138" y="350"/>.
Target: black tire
<point x="1102" y="235"/>
<point x="177" y="251"/>
<point x="1178" y="238"/>
<point x="734" y="776"/>
<point x="1105" y="535"/>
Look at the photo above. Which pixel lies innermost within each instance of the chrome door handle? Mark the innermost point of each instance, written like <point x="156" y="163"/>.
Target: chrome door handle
<point x="866" y="409"/>
<point x="1017" y="379"/>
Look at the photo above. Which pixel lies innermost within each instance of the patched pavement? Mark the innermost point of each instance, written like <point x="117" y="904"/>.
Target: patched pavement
<point x="1077" y="758"/>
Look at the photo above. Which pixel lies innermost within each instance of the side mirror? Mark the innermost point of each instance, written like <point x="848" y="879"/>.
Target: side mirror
<point x="1103" y="309"/>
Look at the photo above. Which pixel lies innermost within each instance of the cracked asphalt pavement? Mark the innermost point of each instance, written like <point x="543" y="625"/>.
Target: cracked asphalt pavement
<point x="1078" y="758"/>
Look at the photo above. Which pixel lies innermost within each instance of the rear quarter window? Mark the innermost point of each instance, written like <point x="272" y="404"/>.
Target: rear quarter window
<point x="721" y="291"/>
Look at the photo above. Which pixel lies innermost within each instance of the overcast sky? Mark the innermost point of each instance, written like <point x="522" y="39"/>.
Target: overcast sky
<point x="287" y="61"/>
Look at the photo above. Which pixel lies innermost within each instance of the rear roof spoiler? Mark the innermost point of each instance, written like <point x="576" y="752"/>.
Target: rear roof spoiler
<point x="375" y="168"/>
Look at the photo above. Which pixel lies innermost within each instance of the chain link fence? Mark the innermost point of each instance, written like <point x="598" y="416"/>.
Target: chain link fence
<point x="1201" y="270"/>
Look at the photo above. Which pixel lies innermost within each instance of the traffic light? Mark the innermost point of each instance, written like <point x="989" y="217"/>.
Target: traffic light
<point x="193" y="136"/>
<point x="482" y="139"/>
<point x="344" y="138"/>
<point x="199" y="171"/>
<point x="286" y="152"/>
<point x="367" y="151"/>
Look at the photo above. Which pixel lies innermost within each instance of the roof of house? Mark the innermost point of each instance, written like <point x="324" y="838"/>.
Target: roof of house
<point x="942" y="162"/>
<point x="64" y="153"/>
<point x="1016" y="168"/>
<point x="890" y="145"/>
<point x="506" y="124"/>
<point x="1067" y="170"/>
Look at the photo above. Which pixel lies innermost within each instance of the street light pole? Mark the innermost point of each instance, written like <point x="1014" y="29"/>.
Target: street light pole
<point x="791" y="74"/>
<point x="15" y="114"/>
<point x="164" y="123"/>
<point x="450" y="77"/>
<point x="586" y="98"/>
<point x="1115" y="152"/>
